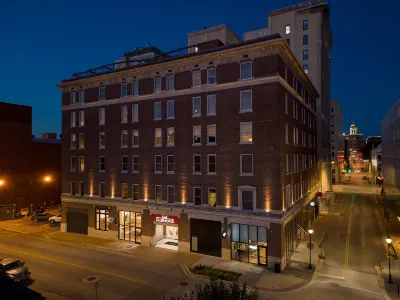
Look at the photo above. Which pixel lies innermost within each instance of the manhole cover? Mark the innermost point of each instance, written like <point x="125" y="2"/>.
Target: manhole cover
<point x="184" y="283"/>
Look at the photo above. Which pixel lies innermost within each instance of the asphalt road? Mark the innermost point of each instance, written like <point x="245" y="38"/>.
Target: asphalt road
<point x="59" y="269"/>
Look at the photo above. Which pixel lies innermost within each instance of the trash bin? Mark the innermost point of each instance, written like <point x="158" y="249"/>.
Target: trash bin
<point x="277" y="268"/>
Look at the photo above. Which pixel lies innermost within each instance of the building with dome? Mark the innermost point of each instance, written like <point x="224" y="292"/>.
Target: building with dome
<point x="354" y="147"/>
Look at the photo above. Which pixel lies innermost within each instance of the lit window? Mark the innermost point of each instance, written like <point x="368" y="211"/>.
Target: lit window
<point x="73" y="97"/>
<point x="124" y="114"/>
<point x="135" y="138"/>
<point x="158" y="164"/>
<point x="124" y="164"/>
<point x="102" y="219"/>
<point x="73" y="140"/>
<point x="101" y="190"/>
<point x="102" y="116"/>
<point x="305" y="25"/>
<point x="124" y="190"/>
<point x="197" y="195"/>
<point x="211" y="134"/>
<point x="305" y="40"/>
<point x="171" y="193"/>
<point x="170" y="136"/>
<point x="287" y="29"/>
<point x="245" y="70"/>
<point x="305" y="68"/>
<point x="212" y="197"/>
<point x="246" y="132"/>
<point x="157" y="137"/>
<point x="288" y="42"/>
<point x="197" y="164"/>
<point x="73" y="164"/>
<point x="81" y="118"/>
<point x="135" y="113"/>
<point x="170" y="164"/>
<point x="170" y="83"/>
<point x="305" y="54"/>
<point x="81" y="164"/>
<point x="102" y="163"/>
<point x="246" y="102"/>
<point x="81" y="141"/>
<point x="73" y="188"/>
<point x="246" y="164"/>
<point x="211" y="76"/>
<point x="197" y="135"/>
<point x="101" y="93"/>
<point x="196" y="103"/>
<point x="157" y="85"/>
<point x="196" y="78"/>
<point x="73" y="119"/>
<point x="135" y="164"/>
<point x="124" y="138"/>
<point x="211" y="105"/>
<point x="124" y="90"/>
<point x="135" y="192"/>
<point x="102" y="140"/>
<point x="82" y="96"/>
<point x="212" y="163"/>
<point x="157" y="110"/>
<point x="170" y="109"/>
<point x="158" y="193"/>
<point x="135" y="88"/>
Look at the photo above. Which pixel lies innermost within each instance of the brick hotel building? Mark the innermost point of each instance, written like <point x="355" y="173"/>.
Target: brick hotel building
<point x="210" y="151"/>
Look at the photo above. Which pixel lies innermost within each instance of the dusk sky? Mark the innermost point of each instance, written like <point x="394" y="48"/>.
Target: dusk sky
<point x="44" y="42"/>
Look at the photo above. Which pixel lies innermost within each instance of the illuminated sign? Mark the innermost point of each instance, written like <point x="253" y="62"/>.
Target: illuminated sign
<point x="165" y="219"/>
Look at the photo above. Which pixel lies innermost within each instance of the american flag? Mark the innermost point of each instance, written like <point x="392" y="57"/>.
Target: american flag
<point x="299" y="230"/>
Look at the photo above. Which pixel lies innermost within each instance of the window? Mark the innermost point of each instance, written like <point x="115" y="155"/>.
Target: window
<point x="157" y="110"/>
<point x="286" y="133"/>
<point x="197" y="164"/>
<point x="81" y="164"/>
<point x="124" y="138"/>
<point x="305" y="25"/>
<point x="305" y="40"/>
<point x="135" y="164"/>
<point x="158" y="193"/>
<point x="246" y="133"/>
<point x="170" y="109"/>
<point x="305" y="54"/>
<point x="212" y="197"/>
<point x="287" y="29"/>
<point x="135" y="192"/>
<point x="247" y="198"/>
<point x="124" y="164"/>
<point x="246" y="101"/>
<point x="288" y="42"/>
<point x="170" y="83"/>
<point x="196" y="135"/>
<point x="135" y="88"/>
<point x="157" y="84"/>
<point x="73" y="164"/>
<point x="212" y="163"/>
<point x="101" y="190"/>
<point x="197" y="195"/>
<point x="73" y="188"/>
<point x="73" y="119"/>
<point x="246" y="164"/>
<point x="135" y="113"/>
<point x="81" y="188"/>
<point x="135" y="138"/>
<point x="211" y="76"/>
<point x="124" y="191"/>
<point x="295" y="112"/>
<point x="212" y="134"/>
<point x="286" y="104"/>
<point x="81" y="118"/>
<point x="124" y="114"/>
<point x="102" y="219"/>
<point x="287" y="164"/>
<point x="305" y="68"/>
<point x="196" y="78"/>
<point x="101" y="93"/>
<point x="170" y="164"/>
<point x="246" y="70"/>
<point x="196" y="106"/>
<point x="158" y="164"/>
<point x="124" y="90"/>
<point x="73" y="97"/>
<point x="73" y="140"/>
<point x="102" y="163"/>
<point x="81" y="141"/>
<point x="102" y="116"/>
<point x="171" y="193"/>
<point x="211" y="105"/>
<point x="157" y="137"/>
<point x="288" y="196"/>
<point x="170" y="136"/>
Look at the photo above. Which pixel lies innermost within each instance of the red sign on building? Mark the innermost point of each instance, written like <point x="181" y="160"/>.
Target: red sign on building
<point x="164" y="219"/>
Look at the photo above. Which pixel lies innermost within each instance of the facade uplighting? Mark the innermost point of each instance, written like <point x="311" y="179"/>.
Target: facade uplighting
<point x="1" y="182"/>
<point x="47" y="178"/>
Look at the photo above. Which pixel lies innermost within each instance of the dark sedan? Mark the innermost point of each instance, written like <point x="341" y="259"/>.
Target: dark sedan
<point x="41" y="217"/>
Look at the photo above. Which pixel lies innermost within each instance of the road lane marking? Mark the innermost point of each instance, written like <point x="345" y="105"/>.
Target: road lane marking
<point x="346" y="251"/>
<point x="74" y="265"/>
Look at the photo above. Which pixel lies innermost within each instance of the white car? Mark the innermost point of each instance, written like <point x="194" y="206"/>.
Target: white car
<point x="55" y="219"/>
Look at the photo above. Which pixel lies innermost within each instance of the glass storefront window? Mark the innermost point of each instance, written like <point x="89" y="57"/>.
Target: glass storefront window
<point x="102" y="219"/>
<point x="130" y="224"/>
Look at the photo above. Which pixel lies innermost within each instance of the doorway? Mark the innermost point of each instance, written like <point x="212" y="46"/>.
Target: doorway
<point x="166" y="237"/>
<point x="262" y="255"/>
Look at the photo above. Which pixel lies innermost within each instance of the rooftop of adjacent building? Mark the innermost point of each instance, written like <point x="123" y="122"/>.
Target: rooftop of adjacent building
<point x="299" y="7"/>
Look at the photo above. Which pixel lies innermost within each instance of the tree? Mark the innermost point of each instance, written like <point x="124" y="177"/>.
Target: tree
<point x="217" y="290"/>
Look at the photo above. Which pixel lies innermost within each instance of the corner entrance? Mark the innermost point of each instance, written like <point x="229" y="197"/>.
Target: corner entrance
<point x="166" y="233"/>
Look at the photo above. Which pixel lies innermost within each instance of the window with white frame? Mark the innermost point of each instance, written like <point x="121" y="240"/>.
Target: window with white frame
<point x="288" y="196"/>
<point x="212" y="164"/>
<point x="102" y="93"/>
<point x="211" y="76"/>
<point x="158" y="193"/>
<point x="81" y="164"/>
<point x="135" y="192"/>
<point x="246" y="101"/>
<point x="124" y="89"/>
<point x="135" y="138"/>
<point x="170" y="83"/>
<point x="135" y="88"/>
<point x="247" y="198"/>
<point x="246" y="164"/>
<point x="286" y="104"/>
<point x="135" y="163"/>
<point x="287" y="163"/>
<point x="82" y="96"/>
<point x="157" y="110"/>
<point x="124" y="191"/>
<point x="124" y="138"/>
<point x="124" y="114"/>
<point x="73" y="164"/>
<point x="196" y="106"/>
<point x="102" y="193"/>
<point x="73" y="97"/>
<point x="197" y="163"/>
<point x="211" y="134"/>
<point x="135" y="113"/>
<point x="305" y="68"/>
<point x="73" y="140"/>
<point x="246" y="132"/>
<point x="170" y="109"/>
<point x="246" y="70"/>
<point x="158" y="164"/>
<point x="81" y="118"/>
<point x="170" y="136"/>
<point x="197" y="135"/>
<point x="286" y="133"/>
<point x="102" y="116"/>
<point x="157" y="84"/>
<point x="73" y="188"/>
<point x="73" y="119"/>
<point x="170" y="163"/>
<point x="197" y="195"/>
<point x="287" y="29"/>
<point x="102" y="163"/>
<point x="124" y="164"/>
<point x="102" y="140"/>
<point x="196" y="78"/>
<point x="211" y="105"/>
<point x="171" y="193"/>
<point x="212" y="197"/>
<point x="81" y="141"/>
<point x="158" y="137"/>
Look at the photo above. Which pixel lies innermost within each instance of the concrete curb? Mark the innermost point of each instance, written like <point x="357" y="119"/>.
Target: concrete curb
<point x="381" y="283"/>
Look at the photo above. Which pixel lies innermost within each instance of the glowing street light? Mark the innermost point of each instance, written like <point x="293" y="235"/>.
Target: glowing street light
<point x="47" y="178"/>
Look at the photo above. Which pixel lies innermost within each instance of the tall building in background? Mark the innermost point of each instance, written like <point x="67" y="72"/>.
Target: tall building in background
<point x="355" y="145"/>
<point x="391" y="145"/>
<point x="337" y="140"/>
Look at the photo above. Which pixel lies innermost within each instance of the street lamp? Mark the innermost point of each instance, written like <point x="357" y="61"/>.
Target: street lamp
<point x="310" y="232"/>
<point x="389" y="242"/>
<point x="47" y="178"/>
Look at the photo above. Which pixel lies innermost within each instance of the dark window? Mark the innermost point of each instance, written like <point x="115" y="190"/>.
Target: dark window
<point x="305" y="54"/>
<point x="212" y="159"/>
<point x="197" y="163"/>
<point x="288" y="41"/>
<point x="73" y="188"/>
<point x="247" y="200"/>
<point x="305" y="39"/>
<point x="247" y="164"/>
<point x="102" y="163"/>
<point x="197" y="196"/>
<point x="124" y="166"/>
<point x="102" y="219"/>
<point x="101" y="190"/>
<point x="82" y="188"/>
<point x="171" y="194"/>
<point x="305" y="68"/>
<point x="171" y="163"/>
<point x="305" y="25"/>
<point x="333" y="154"/>
<point x="135" y="192"/>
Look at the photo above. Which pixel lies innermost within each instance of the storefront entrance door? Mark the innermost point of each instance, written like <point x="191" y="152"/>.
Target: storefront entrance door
<point x="262" y="255"/>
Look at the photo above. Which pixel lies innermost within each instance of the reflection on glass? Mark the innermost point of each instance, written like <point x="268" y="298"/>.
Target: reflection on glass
<point x="253" y="253"/>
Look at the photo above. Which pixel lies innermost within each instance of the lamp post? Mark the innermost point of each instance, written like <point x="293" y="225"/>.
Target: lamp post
<point x="389" y="242"/>
<point x="310" y="232"/>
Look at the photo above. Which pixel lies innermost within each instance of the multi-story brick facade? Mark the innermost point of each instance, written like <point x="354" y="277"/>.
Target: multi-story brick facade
<point x="220" y="141"/>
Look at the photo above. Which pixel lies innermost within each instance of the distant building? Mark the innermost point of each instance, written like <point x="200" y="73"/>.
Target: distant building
<point x="355" y="146"/>
<point x="376" y="164"/>
<point x="337" y="140"/>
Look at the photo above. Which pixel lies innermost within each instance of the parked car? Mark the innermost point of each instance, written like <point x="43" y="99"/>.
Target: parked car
<point x="41" y="217"/>
<point x="24" y="212"/>
<point x="55" y="219"/>
<point x="14" y="269"/>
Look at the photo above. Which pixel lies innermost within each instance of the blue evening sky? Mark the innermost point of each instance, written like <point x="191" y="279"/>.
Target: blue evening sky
<point x="43" y="42"/>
